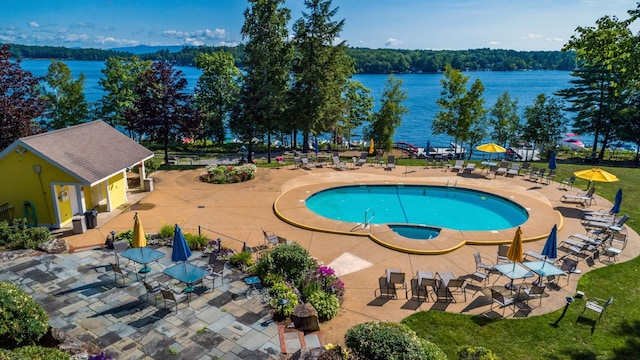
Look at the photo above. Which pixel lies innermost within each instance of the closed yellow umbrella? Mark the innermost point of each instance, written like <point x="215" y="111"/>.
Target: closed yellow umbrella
<point x="515" y="250"/>
<point x="491" y="148"/>
<point x="371" y="147"/>
<point x="596" y="174"/>
<point x="139" y="239"/>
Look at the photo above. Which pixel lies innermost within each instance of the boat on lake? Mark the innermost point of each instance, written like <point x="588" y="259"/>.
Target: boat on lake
<point x="572" y="142"/>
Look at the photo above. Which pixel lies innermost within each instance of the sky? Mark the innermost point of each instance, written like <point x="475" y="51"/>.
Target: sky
<point x="394" y="24"/>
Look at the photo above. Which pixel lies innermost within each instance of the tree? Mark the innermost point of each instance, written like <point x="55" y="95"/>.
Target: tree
<point x="545" y="123"/>
<point x="504" y="119"/>
<point x="389" y="116"/>
<point x="162" y="109"/>
<point x="216" y="93"/>
<point x="262" y="101"/>
<point x="461" y="109"/>
<point x="358" y="104"/>
<point x="593" y="98"/>
<point x="320" y="69"/>
<point x="121" y="75"/>
<point x="20" y="101"/>
<point x="66" y="104"/>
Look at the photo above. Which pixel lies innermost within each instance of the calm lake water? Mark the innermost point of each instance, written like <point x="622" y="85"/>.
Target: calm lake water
<point x="422" y="91"/>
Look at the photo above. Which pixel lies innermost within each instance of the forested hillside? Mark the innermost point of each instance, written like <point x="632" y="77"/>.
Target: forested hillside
<point x="368" y="61"/>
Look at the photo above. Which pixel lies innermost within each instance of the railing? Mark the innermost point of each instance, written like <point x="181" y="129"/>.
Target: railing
<point x="244" y="243"/>
<point x="367" y="219"/>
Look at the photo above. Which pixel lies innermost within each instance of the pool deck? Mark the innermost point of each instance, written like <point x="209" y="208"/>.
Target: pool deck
<point x="241" y="211"/>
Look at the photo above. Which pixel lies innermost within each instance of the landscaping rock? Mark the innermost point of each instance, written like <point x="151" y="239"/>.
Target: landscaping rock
<point x="54" y="246"/>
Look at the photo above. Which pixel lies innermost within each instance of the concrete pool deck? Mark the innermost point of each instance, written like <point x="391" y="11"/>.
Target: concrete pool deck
<point x="239" y="212"/>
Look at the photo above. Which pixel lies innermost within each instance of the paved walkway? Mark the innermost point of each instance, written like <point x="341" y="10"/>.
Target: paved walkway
<point x="223" y="323"/>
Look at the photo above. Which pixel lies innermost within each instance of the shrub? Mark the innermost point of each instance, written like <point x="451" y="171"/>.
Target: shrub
<point x="280" y="291"/>
<point x="290" y="260"/>
<point x="166" y="232"/>
<point x="389" y="340"/>
<point x="39" y="353"/>
<point x="196" y="242"/>
<point x="18" y="235"/>
<point x="326" y="304"/>
<point x="475" y="353"/>
<point x="243" y="259"/>
<point x="22" y="320"/>
<point x="228" y="174"/>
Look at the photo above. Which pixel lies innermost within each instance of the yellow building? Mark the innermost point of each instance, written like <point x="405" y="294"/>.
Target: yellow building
<point x="51" y="177"/>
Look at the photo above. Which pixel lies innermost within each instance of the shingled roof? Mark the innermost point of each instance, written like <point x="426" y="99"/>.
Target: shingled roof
<point x="91" y="152"/>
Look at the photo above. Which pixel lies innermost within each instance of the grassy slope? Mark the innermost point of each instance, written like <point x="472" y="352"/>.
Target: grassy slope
<point x="617" y="336"/>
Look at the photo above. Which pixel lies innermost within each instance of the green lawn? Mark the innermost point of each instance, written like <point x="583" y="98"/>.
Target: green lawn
<point x="616" y="336"/>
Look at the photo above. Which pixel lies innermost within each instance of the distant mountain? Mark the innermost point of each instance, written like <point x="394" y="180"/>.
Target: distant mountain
<point x="144" y="49"/>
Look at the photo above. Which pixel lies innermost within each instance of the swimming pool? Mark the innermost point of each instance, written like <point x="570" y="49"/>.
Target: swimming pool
<point x="440" y="206"/>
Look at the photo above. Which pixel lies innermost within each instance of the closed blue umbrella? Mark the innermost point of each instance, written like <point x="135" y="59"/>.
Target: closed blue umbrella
<point x="315" y="145"/>
<point x="552" y="161"/>
<point x="616" y="205"/>
<point x="180" y="251"/>
<point x="427" y="150"/>
<point x="550" y="250"/>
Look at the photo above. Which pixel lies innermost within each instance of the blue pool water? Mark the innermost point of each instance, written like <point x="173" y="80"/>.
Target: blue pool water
<point x="418" y="232"/>
<point x="437" y="206"/>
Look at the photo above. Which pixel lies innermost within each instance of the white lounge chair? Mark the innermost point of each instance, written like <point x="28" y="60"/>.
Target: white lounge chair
<point x="458" y="166"/>
<point x="338" y="164"/>
<point x="582" y="198"/>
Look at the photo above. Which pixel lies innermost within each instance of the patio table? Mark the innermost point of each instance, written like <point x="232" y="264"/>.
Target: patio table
<point x="445" y="277"/>
<point x="143" y="256"/>
<point x="488" y="164"/>
<point x="513" y="271"/>
<point x="542" y="268"/>
<point x="186" y="273"/>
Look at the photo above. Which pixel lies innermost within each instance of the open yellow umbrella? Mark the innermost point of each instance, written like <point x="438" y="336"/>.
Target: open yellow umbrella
<point x="491" y="148"/>
<point x="139" y="239"/>
<point x="371" y="147"/>
<point x="596" y="174"/>
<point x="515" y="250"/>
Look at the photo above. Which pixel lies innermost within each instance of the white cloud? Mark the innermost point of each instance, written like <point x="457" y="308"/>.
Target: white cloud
<point x="531" y="36"/>
<point x="111" y="41"/>
<point x="34" y="24"/>
<point x="193" y="42"/>
<point x="392" y="42"/>
<point x="555" y="40"/>
<point x="493" y="42"/>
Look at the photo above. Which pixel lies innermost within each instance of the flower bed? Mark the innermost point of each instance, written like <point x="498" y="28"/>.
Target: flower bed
<point x="227" y="174"/>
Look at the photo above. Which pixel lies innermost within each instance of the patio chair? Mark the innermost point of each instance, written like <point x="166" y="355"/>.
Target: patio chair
<point x="618" y="243"/>
<point x="567" y="182"/>
<point x="123" y="272"/>
<point x="616" y="225"/>
<point x="549" y="177"/>
<point x="216" y="270"/>
<point x="338" y="164"/>
<point x="363" y="159"/>
<point x="582" y="198"/>
<point x="152" y="290"/>
<point x="395" y="279"/>
<point x="533" y="170"/>
<point x="502" y="254"/>
<point x="385" y="290"/>
<point x="457" y="166"/>
<point x="492" y="171"/>
<point x="305" y="163"/>
<point x="118" y="248"/>
<point x="569" y="267"/>
<point x="457" y="286"/>
<point x="598" y="305"/>
<point x="537" y="176"/>
<point x="271" y="237"/>
<point x="170" y="295"/>
<point x="483" y="264"/>
<point x="503" y="168"/>
<point x="424" y="282"/>
<point x="536" y="291"/>
<point x="526" y="168"/>
<point x="498" y="298"/>
<point x="391" y="163"/>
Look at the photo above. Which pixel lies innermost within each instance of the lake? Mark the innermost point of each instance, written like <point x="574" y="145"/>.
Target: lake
<point x="422" y="91"/>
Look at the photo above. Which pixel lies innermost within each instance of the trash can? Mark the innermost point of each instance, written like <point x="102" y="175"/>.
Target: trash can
<point x="78" y="224"/>
<point x="148" y="184"/>
<point x="91" y="218"/>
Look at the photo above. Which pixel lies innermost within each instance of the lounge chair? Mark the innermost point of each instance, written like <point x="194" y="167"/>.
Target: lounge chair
<point x="538" y="175"/>
<point x="216" y="270"/>
<point x="423" y="283"/>
<point x="385" y="290"/>
<point x="514" y="170"/>
<point x="492" y="171"/>
<point x="618" y="243"/>
<point x="305" y="163"/>
<point x="469" y="168"/>
<point x="503" y="168"/>
<point x="498" y="298"/>
<point x="363" y="159"/>
<point x="391" y="163"/>
<point x="582" y="198"/>
<point x="598" y="305"/>
<point x="533" y="170"/>
<point x="549" y="177"/>
<point x="338" y="164"/>
<point x="396" y="278"/>
<point x="616" y="225"/>
<point x="123" y="272"/>
<point x="457" y="166"/>
<point x="153" y="290"/>
<point x="526" y="168"/>
<point x="482" y="264"/>
<point x="538" y="256"/>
